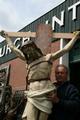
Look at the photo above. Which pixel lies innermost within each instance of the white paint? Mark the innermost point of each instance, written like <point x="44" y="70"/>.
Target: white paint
<point x="65" y="58"/>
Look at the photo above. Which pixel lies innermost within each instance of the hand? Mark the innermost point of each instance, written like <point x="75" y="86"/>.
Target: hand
<point x="53" y="97"/>
<point x="77" y="33"/>
<point x="3" y="33"/>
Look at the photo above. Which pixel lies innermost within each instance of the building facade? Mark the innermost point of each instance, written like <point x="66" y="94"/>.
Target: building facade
<point x="63" y="18"/>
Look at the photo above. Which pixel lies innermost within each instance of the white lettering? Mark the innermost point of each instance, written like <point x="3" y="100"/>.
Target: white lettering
<point x="5" y="50"/>
<point x="55" y="19"/>
<point x="2" y="51"/>
<point x="73" y="7"/>
<point x="47" y="22"/>
<point x="8" y="50"/>
<point x="24" y="41"/>
<point x="18" y="39"/>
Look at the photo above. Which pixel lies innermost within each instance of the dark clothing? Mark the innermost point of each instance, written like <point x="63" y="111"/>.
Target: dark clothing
<point x="69" y="104"/>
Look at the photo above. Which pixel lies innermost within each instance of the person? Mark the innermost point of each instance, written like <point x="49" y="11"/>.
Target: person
<point x="66" y="101"/>
<point x="38" y="107"/>
<point x="17" y="106"/>
<point x="2" y="74"/>
<point x="5" y="93"/>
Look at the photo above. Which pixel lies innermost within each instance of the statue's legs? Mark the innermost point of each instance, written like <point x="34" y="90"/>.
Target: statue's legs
<point x="43" y="116"/>
<point x="32" y="113"/>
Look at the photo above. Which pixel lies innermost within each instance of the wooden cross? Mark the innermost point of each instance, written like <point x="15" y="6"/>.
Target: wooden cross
<point x="43" y="36"/>
<point x="33" y="35"/>
<point x="42" y="29"/>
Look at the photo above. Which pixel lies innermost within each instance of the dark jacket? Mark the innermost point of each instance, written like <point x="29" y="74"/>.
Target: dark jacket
<point x="69" y="104"/>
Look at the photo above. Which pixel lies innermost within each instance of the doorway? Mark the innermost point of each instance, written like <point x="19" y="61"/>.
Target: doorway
<point x="75" y="74"/>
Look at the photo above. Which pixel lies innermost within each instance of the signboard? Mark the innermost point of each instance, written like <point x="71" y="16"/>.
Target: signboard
<point x="6" y="53"/>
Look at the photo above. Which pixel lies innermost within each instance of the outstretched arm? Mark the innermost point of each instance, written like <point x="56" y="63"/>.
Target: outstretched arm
<point x="12" y="46"/>
<point x="66" y="48"/>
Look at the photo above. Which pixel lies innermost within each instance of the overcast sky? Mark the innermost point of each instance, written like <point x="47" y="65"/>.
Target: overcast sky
<point x="16" y="14"/>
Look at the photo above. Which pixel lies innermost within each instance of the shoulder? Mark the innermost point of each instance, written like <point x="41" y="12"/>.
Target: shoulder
<point x="71" y="90"/>
<point x="71" y="86"/>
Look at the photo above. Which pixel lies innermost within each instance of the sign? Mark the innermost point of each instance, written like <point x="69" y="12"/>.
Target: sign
<point x="61" y="21"/>
<point x="6" y="53"/>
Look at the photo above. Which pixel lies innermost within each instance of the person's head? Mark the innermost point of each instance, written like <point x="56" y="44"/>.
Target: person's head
<point x="31" y="51"/>
<point x="61" y="73"/>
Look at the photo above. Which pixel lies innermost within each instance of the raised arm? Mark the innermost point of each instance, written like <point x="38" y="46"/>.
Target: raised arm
<point x="66" y="48"/>
<point x="12" y="46"/>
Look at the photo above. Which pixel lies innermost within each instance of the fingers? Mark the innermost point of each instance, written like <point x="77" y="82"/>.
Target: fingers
<point x="76" y="33"/>
<point x="51" y="96"/>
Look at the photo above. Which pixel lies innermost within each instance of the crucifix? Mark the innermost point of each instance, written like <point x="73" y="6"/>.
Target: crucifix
<point x="39" y="67"/>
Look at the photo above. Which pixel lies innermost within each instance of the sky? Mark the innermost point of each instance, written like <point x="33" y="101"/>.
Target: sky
<point x="16" y="14"/>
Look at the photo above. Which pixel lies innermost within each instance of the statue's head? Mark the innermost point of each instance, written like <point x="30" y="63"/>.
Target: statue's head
<point x="31" y="51"/>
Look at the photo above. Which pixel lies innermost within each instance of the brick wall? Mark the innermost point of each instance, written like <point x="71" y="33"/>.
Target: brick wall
<point x="17" y="74"/>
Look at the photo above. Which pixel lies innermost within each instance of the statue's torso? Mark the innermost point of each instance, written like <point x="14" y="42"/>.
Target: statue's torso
<point x="39" y="72"/>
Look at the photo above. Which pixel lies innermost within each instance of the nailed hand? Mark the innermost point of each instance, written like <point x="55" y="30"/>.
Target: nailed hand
<point x="3" y="33"/>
